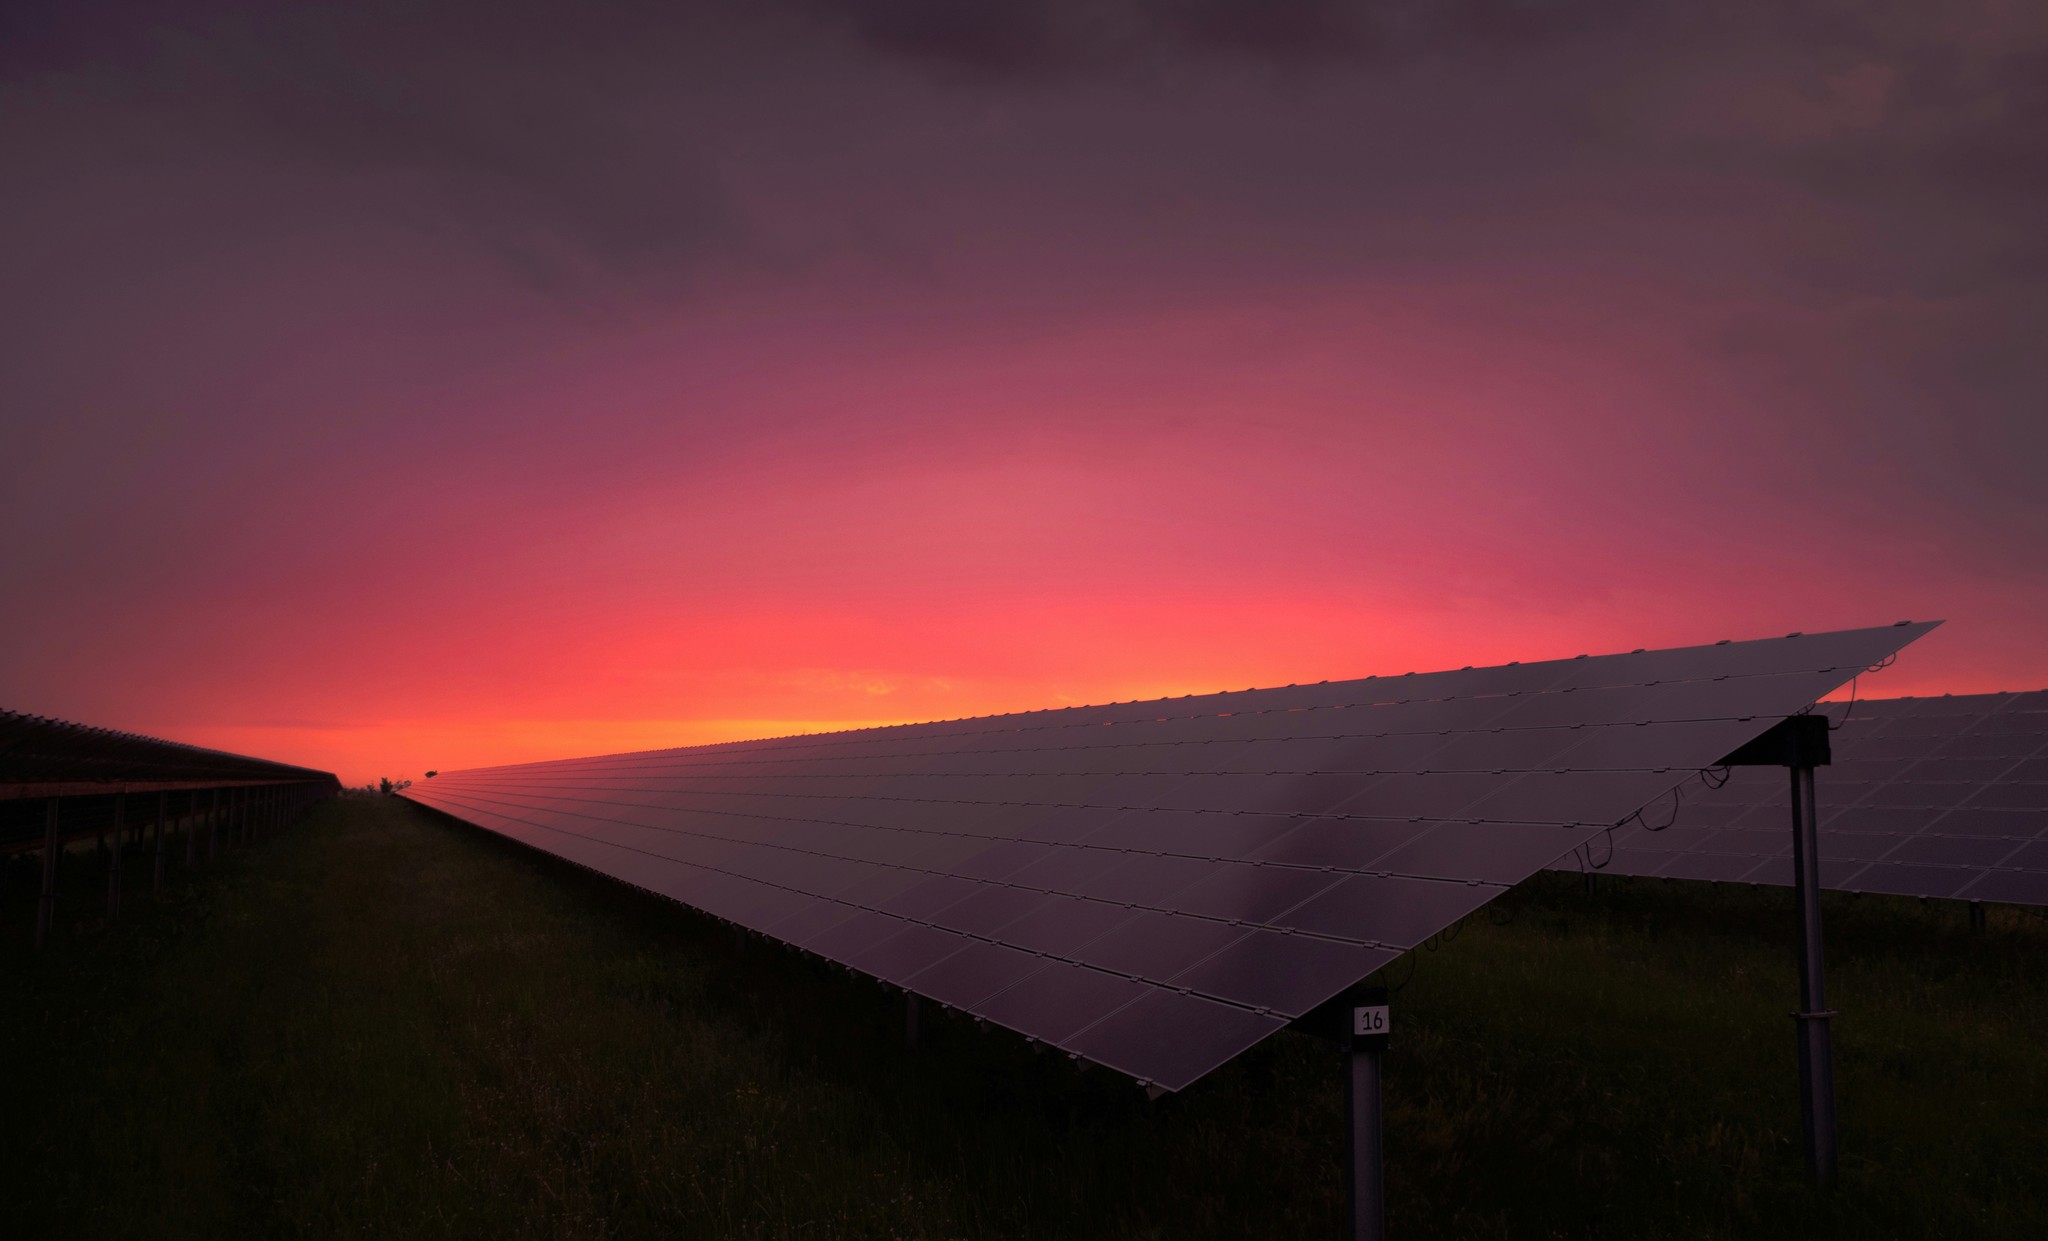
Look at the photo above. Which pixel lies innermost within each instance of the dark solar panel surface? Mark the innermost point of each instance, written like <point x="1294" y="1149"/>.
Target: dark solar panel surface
<point x="1939" y="797"/>
<point x="42" y="757"/>
<point x="1156" y="886"/>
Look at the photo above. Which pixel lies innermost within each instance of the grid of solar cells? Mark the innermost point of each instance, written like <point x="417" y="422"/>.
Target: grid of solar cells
<point x="1156" y="886"/>
<point x="1939" y="797"/>
<point x="42" y="757"/>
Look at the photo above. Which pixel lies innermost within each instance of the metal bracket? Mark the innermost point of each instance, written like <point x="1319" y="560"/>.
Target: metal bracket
<point x="1795" y="741"/>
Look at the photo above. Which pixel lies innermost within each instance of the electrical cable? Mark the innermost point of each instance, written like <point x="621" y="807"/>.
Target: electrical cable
<point x="1602" y="863"/>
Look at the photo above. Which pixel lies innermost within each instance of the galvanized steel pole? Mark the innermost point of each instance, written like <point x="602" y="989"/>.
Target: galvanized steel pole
<point x="47" y="906"/>
<point x="163" y="805"/>
<point x="1365" y="1046"/>
<point x="1816" y="1052"/>
<point x="1799" y="743"/>
<point x="120" y="847"/>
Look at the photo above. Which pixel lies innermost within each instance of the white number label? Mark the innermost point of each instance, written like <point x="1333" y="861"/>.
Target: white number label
<point x="1371" y="1019"/>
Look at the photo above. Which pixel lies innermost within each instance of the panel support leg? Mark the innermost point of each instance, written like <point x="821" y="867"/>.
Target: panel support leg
<point x="120" y="842"/>
<point x="163" y="805"/>
<point x="913" y="1021"/>
<point x="1365" y="1046"/>
<point x="46" y="907"/>
<point x="213" y="826"/>
<point x="1816" y="1049"/>
<point x="1977" y="917"/>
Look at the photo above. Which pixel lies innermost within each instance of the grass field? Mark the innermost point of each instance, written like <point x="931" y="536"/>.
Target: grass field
<point x="381" y="1024"/>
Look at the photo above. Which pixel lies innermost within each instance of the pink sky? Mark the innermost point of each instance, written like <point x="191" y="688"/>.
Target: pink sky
<point x="384" y="396"/>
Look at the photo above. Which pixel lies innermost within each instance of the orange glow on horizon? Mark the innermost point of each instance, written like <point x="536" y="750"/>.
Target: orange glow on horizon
<point x="950" y="522"/>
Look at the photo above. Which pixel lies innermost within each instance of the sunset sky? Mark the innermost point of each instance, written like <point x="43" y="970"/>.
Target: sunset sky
<point x="389" y="386"/>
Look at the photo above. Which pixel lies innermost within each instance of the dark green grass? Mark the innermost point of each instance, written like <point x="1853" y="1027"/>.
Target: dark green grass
<point x="382" y="1024"/>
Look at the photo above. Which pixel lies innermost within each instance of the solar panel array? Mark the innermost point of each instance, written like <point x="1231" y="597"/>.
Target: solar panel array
<point x="42" y="757"/>
<point x="1938" y="797"/>
<point x="1156" y="886"/>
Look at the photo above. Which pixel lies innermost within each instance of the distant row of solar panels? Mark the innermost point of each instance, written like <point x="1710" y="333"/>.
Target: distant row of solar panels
<point x="1936" y="797"/>
<point x="1157" y="886"/>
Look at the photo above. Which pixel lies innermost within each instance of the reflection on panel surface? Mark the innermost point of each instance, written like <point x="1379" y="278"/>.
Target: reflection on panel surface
<point x="1156" y="886"/>
<point x="1937" y="797"/>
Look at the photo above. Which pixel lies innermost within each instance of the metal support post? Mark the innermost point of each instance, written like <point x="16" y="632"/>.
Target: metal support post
<point x="48" y="904"/>
<point x="1365" y="1047"/>
<point x="1977" y="917"/>
<point x="913" y="1021"/>
<point x="1816" y="1054"/>
<point x="163" y="805"/>
<point x="1799" y="743"/>
<point x="191" y="819"/>
<point x="120" y="841"/>
<point x="213" y="826"/>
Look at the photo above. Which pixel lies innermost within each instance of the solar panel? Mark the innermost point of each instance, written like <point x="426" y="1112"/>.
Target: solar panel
<point x="1156" y="886"/>
<point x="42" y="757"/>
<point x="1937" y="797"/>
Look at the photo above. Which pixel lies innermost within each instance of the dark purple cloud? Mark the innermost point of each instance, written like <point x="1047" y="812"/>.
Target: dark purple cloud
<point x="1057" y="39"/>
<point x="291" y="284"/>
